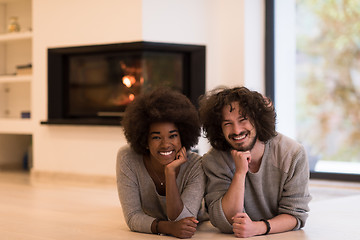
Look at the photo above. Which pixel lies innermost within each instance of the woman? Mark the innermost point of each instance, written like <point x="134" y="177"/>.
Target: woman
<point x="160" y="182"/>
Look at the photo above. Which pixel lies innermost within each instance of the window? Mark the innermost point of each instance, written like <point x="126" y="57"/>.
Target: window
<point x="316" y="80"/>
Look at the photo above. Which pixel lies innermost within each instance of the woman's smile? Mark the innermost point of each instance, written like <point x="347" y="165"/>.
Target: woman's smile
<point x="164" y="142"/>
<point x="166" y="153"/>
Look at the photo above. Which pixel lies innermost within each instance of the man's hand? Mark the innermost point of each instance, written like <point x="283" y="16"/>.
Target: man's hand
<point x="244" y="227"/>
<point x="241" y="160"/>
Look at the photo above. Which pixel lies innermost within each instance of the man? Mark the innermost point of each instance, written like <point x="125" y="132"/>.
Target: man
<point x="257" y="178"/>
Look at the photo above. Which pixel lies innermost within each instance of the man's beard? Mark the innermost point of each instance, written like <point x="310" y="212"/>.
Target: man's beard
<point x="247" y="148"/>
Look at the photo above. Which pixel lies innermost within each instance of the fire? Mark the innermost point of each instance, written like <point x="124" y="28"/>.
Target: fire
<point x="131" y="97"/>
<point x="128" y="80"/>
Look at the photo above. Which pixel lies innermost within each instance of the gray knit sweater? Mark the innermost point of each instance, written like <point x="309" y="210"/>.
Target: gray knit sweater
<point x="280" y="185"/>
<point x="141" y="203"/>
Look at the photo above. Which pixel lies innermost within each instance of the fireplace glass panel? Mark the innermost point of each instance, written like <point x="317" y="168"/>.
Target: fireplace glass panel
<point x="92" y="85"/>
<point x="103" y="85"/>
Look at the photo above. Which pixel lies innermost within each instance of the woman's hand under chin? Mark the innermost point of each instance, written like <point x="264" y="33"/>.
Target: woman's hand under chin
<point x="180" y="158"/>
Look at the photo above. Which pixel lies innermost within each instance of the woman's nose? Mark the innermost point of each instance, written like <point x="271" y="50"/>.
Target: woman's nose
<point x="165" y="142"/>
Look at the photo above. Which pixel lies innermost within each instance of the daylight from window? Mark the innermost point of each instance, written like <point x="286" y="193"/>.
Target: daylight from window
<point x="328" y="83"/>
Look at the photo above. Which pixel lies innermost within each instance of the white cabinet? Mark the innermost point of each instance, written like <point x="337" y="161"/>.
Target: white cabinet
<point x="16" y="127"/>
<point x="15" y="73"/>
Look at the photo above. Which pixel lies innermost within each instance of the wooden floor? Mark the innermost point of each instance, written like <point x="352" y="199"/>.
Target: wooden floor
<point x="43" y="209"/>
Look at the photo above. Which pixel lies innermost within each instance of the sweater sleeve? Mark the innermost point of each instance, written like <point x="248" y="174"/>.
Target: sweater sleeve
<point x="219" y="177"/>
<point x="128" y="190"/>
<point x="194" y="188"/>
<point x="296" y="197"/>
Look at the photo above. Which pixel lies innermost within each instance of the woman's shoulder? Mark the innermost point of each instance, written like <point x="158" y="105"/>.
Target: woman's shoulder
<point x="124" y="151"/>
<point x="193" y="156"/>
<point x="193" y="160"/>
<point x="127" y="155"/>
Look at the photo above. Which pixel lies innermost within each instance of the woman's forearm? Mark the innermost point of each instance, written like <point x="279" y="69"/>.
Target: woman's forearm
<point x="174" y="204"/>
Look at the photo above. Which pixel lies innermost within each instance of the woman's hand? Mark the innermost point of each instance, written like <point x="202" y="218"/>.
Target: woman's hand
<point x="174" y="204"/>
<point x="184" y="228"/>
<point x="180" y="158"/>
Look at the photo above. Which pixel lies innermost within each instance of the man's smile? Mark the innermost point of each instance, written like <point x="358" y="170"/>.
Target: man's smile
<point x="239" y="137"/>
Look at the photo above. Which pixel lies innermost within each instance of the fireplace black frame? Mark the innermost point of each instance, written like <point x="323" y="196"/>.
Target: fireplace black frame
<point x="58" y="58"/>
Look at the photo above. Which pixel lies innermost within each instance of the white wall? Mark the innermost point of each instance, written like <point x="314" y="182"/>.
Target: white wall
<point x="225" y="40"/>
<point x="254" y="45"/>
<point x="91" y="150"/>
<point x="217" y="24"/>
<point x="59" y="23"/>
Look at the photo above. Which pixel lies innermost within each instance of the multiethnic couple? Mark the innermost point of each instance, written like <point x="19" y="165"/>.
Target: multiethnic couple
<point x="252" y="181"/>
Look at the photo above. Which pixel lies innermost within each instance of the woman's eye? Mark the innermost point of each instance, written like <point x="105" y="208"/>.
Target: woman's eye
<point x="173" y="136"/>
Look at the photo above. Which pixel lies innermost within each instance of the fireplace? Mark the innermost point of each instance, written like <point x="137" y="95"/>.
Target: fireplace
<point x="92" y="85"/>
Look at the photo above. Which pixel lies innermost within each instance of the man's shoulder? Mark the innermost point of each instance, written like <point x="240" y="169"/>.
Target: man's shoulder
<point x="285" y="143"/>
<point x="284" y="150"/>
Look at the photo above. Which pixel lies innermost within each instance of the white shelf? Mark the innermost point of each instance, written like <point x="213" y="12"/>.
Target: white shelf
<point x="9" y="37"/>
<point x="15" y="78"/>
<point x="16" y="126"/>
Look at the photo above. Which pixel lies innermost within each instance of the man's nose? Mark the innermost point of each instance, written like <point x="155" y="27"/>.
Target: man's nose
<point x="236" y="128"/>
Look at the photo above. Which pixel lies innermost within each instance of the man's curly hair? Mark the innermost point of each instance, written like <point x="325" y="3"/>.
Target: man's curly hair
<point x="160" y="105"/>
<point x="258" y="109"/>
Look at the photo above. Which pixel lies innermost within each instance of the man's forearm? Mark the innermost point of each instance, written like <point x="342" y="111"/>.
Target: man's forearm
<point x="233" y="200"/>
<point x="282" y="223"/>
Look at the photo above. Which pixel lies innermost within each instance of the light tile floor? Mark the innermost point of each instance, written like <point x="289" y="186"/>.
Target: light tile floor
<point x="325" y="189"/>
<point x="40" y="209"/>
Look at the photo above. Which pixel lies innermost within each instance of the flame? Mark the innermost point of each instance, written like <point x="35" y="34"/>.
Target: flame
<point x="128" y="80"/>
<point x="131" y="97"/>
